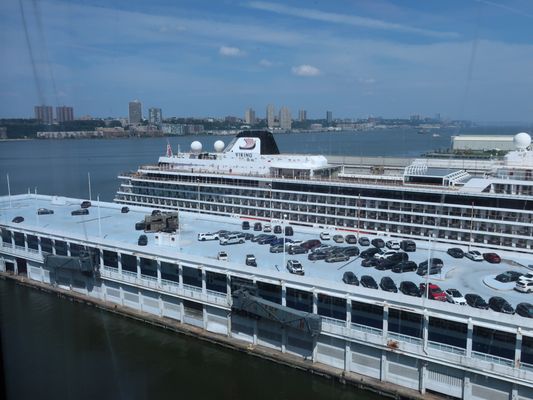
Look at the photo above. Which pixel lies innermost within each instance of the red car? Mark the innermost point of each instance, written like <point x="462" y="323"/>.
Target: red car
<point x="434" y="292"/>
<point x="493" y="258"/>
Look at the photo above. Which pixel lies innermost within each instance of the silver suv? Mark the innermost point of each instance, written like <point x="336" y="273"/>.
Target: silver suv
<point x="295" y="267"/>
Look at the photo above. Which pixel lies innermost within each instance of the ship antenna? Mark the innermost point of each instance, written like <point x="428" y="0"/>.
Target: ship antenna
<point x="169" y="149"/>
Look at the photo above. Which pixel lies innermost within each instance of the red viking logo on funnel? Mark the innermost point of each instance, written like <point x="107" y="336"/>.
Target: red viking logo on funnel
<point x="249" y="144"/>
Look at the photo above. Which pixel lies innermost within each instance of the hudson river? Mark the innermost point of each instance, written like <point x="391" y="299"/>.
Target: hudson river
<point x="53" y="348"/>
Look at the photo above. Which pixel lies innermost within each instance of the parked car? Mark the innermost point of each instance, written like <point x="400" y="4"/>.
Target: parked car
<point x="207" y="236"/>
<point x="474" y="255"/>
<point x="350" y="239"/>
<point x="364" y="241"/>
<point x="385" y="264"/>
<point x="369" y="262"/>
<point x="499" y="304"/>
<point x="311" y="244"/>
<point x="410" y="289"/>
<point x="19" y="219"/>
<point x="317" y="255"/>
<point x="400" y="256"/>
<point x="245" y="225"/>
<point x="280" y="240"/>
<point x="492" y="258"/>
<point x="249" y="236"/>
<point x="267" y="228"/>
<point x="384" y="254"/>
<point x="408" y="245"/>
<point x="524" y="286"/>
<point x="379" y="243"/>
<point x="526" y="277"/>
<point x="257" y="238"/>
<point x="277" y="248"/>
<point x="476" y="301"/>
<point x="455" y="297"/>
<point x="258" y="226"/>
<point x="435" y="262"/>
<point x="139" y="226"/>
<point x="125" y="210"/>
<point x="525" y="310"/>
<point x="277" y="229"/>
<point x="250" y="260"/>
<point x="85" y="204"/>
<point x="295" y="267"/>
<point x="297" y="250"/>
<point x="143" y="240"/>
<point x="393" y="244"/>
<point x="350" y="279"/>
<point x="81" y="211"/>
<point x="508" y="276"/>
<point x="337" y="258"/>
<point x="289" y="231"/>
<point x="44" y="211"/>
<point x="268" y="239"/>
<point x="231" y="239"/>
<point x="369" y="253"/>
<point x="368" y="282"/>
<point x="222" y="256"/>
<point x="433" y="270"/>
<point x="455" y="252"/>
<point x="338" y="238"/>
<point x="350" y="251"/>
<point x="405" y="266"/>
<point x="388" y="285"/>
<point x="434" y="292"/>
<point x="325" y="236"/>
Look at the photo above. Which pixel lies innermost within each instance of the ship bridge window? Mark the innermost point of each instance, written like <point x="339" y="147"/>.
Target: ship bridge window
<point x="169" y="272"/>
<point x="332" y="307"/>
<point x="367" y="314"/>
<point x="405" y="323"/>
<point x="148" y="267"/>
<point x="239" y="283"/>
<point x="527" y="350"/>
<point x="269" y="291"/>
<point x="447" y="332"/>
<point x="33" y="242"/>
<point x="192" y="276"/>
<point x="76" y="249"/>
<point x="129" y="263"/>
<point x="110" y="259"/>
<point x="491" y="341"/>
<point x="19" y="239"/>
<point x="6" y="236"/>
<point x="216" y="282"/>
<point x="61" y="248"/>
<point x="46" y="245"/>
<point x="300" y="300"/>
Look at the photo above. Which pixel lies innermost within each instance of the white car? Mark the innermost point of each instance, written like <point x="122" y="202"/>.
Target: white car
<point x="295" y="267"/>
<point x="222" y="256"/>
<point x="525" y="286"/>
<point x="231" y="239"/>
<point x="267" y="228"/>
<point x="207" y="236"/>
<point x="393" y="244"/>
<point x="384" y="254"/>
<point x="526" y="277"/>
<point x="455" y="297"/>
<point x="474" y="255"/>
<point x="325" y="236"/>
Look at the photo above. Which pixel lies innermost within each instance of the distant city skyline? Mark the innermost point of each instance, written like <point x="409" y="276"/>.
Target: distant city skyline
<point x="205" y="58"/>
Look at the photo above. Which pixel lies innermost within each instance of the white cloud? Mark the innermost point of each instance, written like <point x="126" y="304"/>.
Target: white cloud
<point x="305" y="70"/>
<point x="354" y="20"/>
<point x="266" y="63"/>
<point x="230" y="51"/>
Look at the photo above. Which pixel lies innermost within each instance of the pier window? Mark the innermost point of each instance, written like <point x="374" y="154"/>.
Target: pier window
<point x="33" y="242"/>
<point x="169" y="272"/>
<point x="300" y="300"/>
<point x="61" y="248"/>
<point x="148" y="267"/>
<point x="19" y="239"/>
<point x="332" y="307"/>
<point x="6" y="236"/>
<point x="447" y="332"/>
<point x="405" y="323"/>
<point x="192" y="276"/>
<point x="216" y="282"/>
<point x="111" y="259"/>
<point x="527" y="350"/>
<point x="269" y="291"/>
<point x="129" y="263"/>
<point x="46" y="245"/>
<point x="367" y="314"/>
<point x="496" y="343"/>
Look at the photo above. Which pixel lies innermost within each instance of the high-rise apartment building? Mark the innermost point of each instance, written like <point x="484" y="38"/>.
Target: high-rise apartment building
<point x="249" y="116"/>
<point x="302" y="115"/>
<point x="271" y="115"/>
<point x="329" y="117"/>
<point x="44" y="114"/>
<point x="64" y="113"/>
<point x="285" y="119"/>
<point x="135" y="112"/>
<point x="155" y="117"/>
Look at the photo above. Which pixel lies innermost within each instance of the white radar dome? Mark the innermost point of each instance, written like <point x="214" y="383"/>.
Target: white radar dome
<point x="219" y="146"/>
<point x="196" y="146"/>
<point x="522" y="140"/>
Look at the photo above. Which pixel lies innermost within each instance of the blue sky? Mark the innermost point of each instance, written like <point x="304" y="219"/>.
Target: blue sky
<point x="464" y="59"/>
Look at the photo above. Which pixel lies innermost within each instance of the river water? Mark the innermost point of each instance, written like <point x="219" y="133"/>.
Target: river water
<point x="54" y="348"/>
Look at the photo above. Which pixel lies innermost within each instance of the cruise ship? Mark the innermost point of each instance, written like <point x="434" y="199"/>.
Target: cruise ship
<point x="483" y="204"/>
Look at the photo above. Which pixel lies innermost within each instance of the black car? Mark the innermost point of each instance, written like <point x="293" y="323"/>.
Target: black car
<point x="257" y="238"/>
<point x="364" y="241"/>
<point x="350" y="251"/>
<point x="369" y="253"/>
<point x="317" y="255"/>
<point x="508" y="276"/>
<point x="85" y="204"/>
<point x="433" y="270"/>
<point x="499" y="304"/>
<point x="476" y="301"/>
<point x="379" y="243"/>
<point x="350" y="279"/>
<point x="435" y="262"/>
<point x="17" y="220"/>
<point x="143" y="240"/>
<point x="408" y="245"/>
<point x="139" y="226"/>
<point x="277" y="248"/>
<point x="410" y="289"/>
<point x="368" y="282"/>
<point x="388" y="285"/>
<point x="398" y="257"/>
<point x="456" y="252"/>
<point x="44" y="211"/>
<point x="267" y="239"/>
<point x="125" y="210"/>
<point x="404" y="266"/>
<point x="277" y="229"/>
<point x="525" y="310"/>
<point x="258" y="226"/>
<point x="350" y="239"/>
<point x="289" y="231"/>
<point x="297" y="250"/>
<point x="369" y="262"/>
<point x="385" y="264"/>
<point x="250" y="260"/>
<point x="248" y="236"/>
<point x="245" y="225"/>
<point x="81" y="211"/>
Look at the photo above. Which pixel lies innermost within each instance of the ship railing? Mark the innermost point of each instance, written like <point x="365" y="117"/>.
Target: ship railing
<point x="446" y="348"/>
<point x="527" y="366"/>
<point x="492" y="359"/>
<point x="404" y="338"/>
<point x="21" y="250"/>
<point x="333" y="321"/>
<point x="366" y="329"/>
